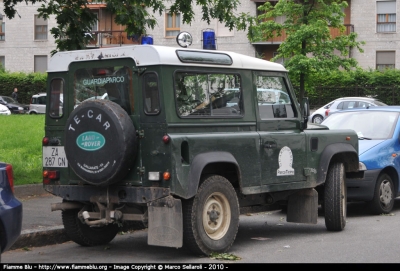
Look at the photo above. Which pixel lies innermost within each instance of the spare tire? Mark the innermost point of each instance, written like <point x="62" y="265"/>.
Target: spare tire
<point x="100" y="142"/>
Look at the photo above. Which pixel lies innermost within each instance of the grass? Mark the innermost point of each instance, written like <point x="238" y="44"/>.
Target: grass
<point x="21" y="145"/>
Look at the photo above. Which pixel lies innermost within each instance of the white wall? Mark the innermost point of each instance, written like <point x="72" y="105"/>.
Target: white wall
<point x="19" y="47"/>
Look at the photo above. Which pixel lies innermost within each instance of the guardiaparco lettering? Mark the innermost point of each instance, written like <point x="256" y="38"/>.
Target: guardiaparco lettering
<point x="102" y="81"/>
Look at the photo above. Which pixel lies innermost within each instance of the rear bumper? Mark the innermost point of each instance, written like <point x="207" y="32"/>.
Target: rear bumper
<point x="116" y="194"/>
<point x="11" y="223"/>
<point x="362" y="189"/>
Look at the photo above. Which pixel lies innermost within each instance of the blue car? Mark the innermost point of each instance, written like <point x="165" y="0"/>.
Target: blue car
<point x="10" y="209"/>
<point x="378" y="130"/>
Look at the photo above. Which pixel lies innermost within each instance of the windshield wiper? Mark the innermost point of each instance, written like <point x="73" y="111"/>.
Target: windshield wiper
<point x="362" y="138"/>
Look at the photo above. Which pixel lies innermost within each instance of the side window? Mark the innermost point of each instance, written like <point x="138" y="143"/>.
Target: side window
<point x="273" y="98"/>
<point x="34" y="101"/>
<point x="41" y="100"/>
<point x="349" y="105"/>
<point x="340" y="105"/>
<point x="208" y="95"/>
<point x="56" y="97"/>
<point x="151" y="94"/>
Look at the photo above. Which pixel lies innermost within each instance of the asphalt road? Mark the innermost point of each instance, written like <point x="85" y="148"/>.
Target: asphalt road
<point x="262" y="238"/>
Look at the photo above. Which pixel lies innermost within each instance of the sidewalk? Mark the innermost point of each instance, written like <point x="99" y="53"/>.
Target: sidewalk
<point x="40" y="226"/>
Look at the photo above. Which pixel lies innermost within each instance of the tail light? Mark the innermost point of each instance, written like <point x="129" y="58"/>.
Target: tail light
<point x="50" y="175"/>
<point x="327" y="112"/>
<point x="10" y="176"/>
<point x="45" y="141"/>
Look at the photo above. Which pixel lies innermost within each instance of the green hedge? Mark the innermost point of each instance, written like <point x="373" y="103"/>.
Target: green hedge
<point x="27" y="84"/>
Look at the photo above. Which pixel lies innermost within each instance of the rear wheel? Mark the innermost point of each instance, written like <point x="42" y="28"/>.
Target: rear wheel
<point x="84" y="235"/>
<point x="317" y="119"/>
<point x="383" y="200"/>
<point x="335" y="198"/>
<point x="211" y="218"/>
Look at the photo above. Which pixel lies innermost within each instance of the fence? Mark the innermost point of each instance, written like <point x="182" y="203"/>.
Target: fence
<point x="322" y="95"/>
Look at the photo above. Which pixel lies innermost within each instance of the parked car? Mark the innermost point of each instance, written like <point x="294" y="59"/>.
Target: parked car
<point x="38" y="104"/>
<point x="10" y="209"/>
<point x="341" y="104"/>
<point x="14" y="106"/>
<point x="4" y="110"/>
<point x="378" y="130"/>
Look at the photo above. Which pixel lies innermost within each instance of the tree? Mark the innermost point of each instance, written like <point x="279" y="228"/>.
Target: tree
<point x="309" y="47"/>
<point x="75" y="19"/>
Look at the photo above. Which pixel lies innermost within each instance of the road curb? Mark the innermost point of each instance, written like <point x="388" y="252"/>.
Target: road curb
<point x="42" y="237"/>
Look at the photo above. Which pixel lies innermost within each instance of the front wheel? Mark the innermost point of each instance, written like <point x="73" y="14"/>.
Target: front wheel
<point x="383" y="200"/>
<point x="84" y="235"/>
<point x="335" y="198"/>
<point x="211" y="218"/>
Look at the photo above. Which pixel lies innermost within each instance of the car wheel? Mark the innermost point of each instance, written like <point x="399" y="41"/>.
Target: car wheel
<point x="211" y="218"/>
<point x="100" y="142"/>
<point x="317" y="119"/>
<point x="335" y="198"/>
<point x="383" y="200"/>
<point x="84" y="235"/>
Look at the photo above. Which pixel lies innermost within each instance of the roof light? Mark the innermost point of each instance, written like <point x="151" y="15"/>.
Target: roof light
<point x="209" y="39"/>
<point x="147" y="39"/>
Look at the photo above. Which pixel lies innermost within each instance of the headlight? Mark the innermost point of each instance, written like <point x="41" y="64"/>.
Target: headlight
<point x="361" y="166"/>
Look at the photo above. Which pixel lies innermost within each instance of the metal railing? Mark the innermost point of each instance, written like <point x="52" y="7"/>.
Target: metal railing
<point x="111" y="38"/>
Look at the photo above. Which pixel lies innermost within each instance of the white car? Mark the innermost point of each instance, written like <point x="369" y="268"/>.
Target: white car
<point x="4" y="110"/>
<point x="342" y="104"/>
<point x="38" y="104"/>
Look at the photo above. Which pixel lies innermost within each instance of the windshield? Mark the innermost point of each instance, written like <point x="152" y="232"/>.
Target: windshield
<point x="9" y="100"/>
<point x="367" y="124"/>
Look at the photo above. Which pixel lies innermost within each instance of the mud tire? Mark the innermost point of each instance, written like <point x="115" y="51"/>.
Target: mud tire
<point x="335" y="198"/>
<point x="84" y="235"/>
<point x="205" y="231"/>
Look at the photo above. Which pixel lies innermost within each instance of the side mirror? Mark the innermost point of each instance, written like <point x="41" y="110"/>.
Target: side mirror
<point x="305" y="111"/>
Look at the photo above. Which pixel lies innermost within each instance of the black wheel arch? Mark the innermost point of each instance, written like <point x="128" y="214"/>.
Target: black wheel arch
<point x="219" y="163"/>
<point x="342" y="152"/>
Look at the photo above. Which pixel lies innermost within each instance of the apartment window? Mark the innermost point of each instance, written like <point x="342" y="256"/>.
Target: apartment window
<point x="40" y="64"/>
<point x="40" y="28"/>
<point x="386" y="16"/>
<point x="172" y="25"/>
<point x="385" y="60"/>
<point x="2" y="62"/>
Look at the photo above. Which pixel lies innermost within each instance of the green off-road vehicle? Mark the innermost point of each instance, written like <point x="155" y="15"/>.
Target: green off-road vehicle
<point x="182" y="142"/>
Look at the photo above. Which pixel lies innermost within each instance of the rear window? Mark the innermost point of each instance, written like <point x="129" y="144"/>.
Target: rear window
<point x="56" y="98"/>
<point x="109" y="82"/>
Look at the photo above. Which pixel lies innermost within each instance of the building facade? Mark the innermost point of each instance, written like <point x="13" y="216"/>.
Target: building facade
<point x="26" y="42"/>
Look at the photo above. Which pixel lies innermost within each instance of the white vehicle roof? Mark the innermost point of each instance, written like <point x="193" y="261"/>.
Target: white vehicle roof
<point x="147" y="55"/>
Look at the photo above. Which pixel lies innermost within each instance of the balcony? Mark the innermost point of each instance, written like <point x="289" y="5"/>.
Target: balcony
<point x="102" y="39"/>
<point x="334" y="33"/>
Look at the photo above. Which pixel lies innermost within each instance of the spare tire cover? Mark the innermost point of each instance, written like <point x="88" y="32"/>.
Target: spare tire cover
<point x="100" y="142"/>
